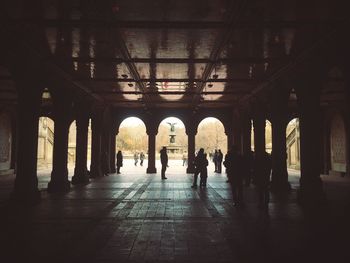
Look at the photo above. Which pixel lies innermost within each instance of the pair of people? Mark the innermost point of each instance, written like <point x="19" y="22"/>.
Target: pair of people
<point x="217" y="159"/>
<point x="200" y="164"/>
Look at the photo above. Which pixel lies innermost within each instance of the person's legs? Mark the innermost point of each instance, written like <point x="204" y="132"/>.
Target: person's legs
<point x="219" y="167"/>
<point x="163" y="171"/>
<point x="195" y="178"/>
<point x="118" y="169"/>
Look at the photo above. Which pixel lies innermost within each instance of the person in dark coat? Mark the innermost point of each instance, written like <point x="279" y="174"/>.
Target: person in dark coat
<point x="164" y="161"/>
<point x="233" y="164"/>
<point x="142" y="157"/>
<point x="198" y="166"/>
<point x="263" y="172"/>
<point x="215" y="160"/>
<point x="219" y="161"/>
<point x="119" y="161"/>
<point x="204" y="172"/>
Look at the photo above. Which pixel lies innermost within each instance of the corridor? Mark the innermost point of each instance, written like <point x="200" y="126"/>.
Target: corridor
<point x="136" y="217"/>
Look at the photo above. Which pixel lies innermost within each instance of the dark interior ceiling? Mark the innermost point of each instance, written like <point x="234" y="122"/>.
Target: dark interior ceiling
<point x="174" y="53"/>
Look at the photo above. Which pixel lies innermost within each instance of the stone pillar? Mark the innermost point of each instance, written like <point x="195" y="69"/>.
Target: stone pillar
<point x="259" y="123"/>
<point x="59" y="176"/>
<point x="279" y="177"/>
<point x="112" y="155"/>
<point x="26" y="182"/>
<point x="96" y="127"/>
<point x="246" y="135"/>
<point x="151" y="151"/>
<point x="311" y="190"/>
<point x="191" y="150"/>
<point x="81" y="175"/>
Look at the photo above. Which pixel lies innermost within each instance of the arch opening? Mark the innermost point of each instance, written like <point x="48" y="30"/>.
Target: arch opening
<point x="45" y="144"/>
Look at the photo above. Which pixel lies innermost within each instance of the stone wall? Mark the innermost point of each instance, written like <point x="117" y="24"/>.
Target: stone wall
<point x="5" y="141"/>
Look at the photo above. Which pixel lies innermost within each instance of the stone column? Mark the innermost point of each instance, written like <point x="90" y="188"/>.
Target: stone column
<point x="151" y="151"/>
<point x="81" y="175"/>
<point x="246" y="134"/>
<point x="311" y="190"/>
<point x="191" y="150"/>
<point x="112" y="155"/>
<point x="279" y="177"/>
<point x="96" y="127"/>
<point x="59" y="176"/>
<point x="26" y="182"/>
<point x="259" y="123"/>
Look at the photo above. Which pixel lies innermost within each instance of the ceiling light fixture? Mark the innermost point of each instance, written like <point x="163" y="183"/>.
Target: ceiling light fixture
<point x="130" y="84"/>
<point x="124" y="76"/>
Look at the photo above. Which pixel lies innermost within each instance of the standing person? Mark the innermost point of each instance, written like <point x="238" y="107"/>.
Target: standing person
<point x="233" y="164"/>
<point x="198" y="164"/>
<point x="204" y="172"/>
<point x="164" y="161"/>
<point x="119" y="161"/>
<point x="184" y="159"/>
<point x="263" y="165"/>
<point x="219" y="161"/>
<point x="136" y="158"/>
<point x="215" y="160"/>
<point x="142" y="157"/>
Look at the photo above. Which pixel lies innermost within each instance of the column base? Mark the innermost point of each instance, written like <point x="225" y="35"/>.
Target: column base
<point x="190" y="170"/>
<point x="58" y="186"/>
<point x="95" y="172"/>
<point x="311" y="195"/>
<point x="26" y="197"/>
<point x="80" y="178"/>
<point x="151" y="170"/>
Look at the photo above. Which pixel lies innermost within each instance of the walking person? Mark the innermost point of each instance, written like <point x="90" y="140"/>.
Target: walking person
<point x="198" y="164"/>
<point x="136" y="158"/>
<point x="119" y="161"/>
<point x="219" y="161"/>
<point x="164" y="161"/>
<point x="142" y="157"/>
<point x="215" y="161"/>
<point x="204" y="172"/>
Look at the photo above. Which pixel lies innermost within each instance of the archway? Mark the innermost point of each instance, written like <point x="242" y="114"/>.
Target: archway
<point x="211" y="137"/>
<point x="45" y="144"/>
<point x="172" y="134"/>
<point x="132" y="141"/>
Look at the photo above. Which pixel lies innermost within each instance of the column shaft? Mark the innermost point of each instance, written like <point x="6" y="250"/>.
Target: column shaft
<point x="191" y="151"/>
<point x="80" y="172"/>
<point x="259" y="134"/>
<point x="151" y="153"/>
<point x="95" y="167"/>
<point x="59" y="175"/>
<point x="112" y="152"/>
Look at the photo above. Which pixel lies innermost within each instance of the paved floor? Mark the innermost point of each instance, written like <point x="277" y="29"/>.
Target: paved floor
<point x="136" y="217"/>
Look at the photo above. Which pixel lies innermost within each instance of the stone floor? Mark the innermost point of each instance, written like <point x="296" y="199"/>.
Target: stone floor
<point x="136" y="217"/>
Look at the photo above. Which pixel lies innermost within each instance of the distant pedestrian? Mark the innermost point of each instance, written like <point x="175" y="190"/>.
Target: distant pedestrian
<point x="215" y="161"/>
<point x="204" y="172"/>
<point x="119" y="161"/>
<point x="198" y="166"/>
<point x="219" y="161"/>
<point x="136" y="158"/>
<point x="142" y="157"/>
<point x="184" y="159"/>
<point x="164" y="161"/>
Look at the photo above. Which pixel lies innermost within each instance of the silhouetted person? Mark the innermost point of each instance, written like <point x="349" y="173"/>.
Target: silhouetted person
<point x="219" y="161"/>
<point x="164" y="161"/>
<point x="204" y="172"/>
<point x="215" y="160"/>
<point x="119" y="161"/>
<point x="263" y="166"/>
<point x="233" y="164"/>
<point x="184" y="159"/>
<point x="198" y="164"/>
<point x="142" y="157"/>
<point x="136" y="158"/>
